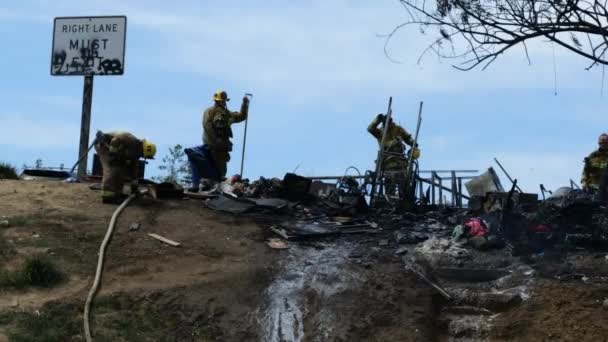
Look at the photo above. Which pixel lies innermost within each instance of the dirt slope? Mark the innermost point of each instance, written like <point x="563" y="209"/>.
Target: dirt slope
<point x="223" y="283"/>
<point x="222" y="259"/>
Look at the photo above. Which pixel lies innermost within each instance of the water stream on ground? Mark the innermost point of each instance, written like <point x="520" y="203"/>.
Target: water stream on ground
<point x="308" y="276"/>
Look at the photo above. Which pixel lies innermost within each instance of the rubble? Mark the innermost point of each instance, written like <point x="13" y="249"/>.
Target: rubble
<point x="481" y="260"/>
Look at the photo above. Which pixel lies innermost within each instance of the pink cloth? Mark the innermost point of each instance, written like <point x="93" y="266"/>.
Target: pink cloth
<point x="476" y="227"/>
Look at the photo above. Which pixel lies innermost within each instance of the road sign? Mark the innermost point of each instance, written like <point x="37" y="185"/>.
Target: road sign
<point x="88" y="46"/>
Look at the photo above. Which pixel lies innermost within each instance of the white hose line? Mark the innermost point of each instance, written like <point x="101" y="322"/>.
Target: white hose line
<point x="100" y="260"/>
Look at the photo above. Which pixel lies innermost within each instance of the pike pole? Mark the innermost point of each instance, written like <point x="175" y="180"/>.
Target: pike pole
<point x="410" y="165"/>
<point x="245" y="137"/>
<point x="380" y="159"/>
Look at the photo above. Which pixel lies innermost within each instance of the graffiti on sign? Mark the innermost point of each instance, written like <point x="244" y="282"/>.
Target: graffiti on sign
<point x="88" y="46"/>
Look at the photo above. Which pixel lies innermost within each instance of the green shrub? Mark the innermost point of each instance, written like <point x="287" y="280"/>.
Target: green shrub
<point x="7" y="249"/>
<point x="54" y="322"/>
<point x="36" y="271"/>
<point x="7" y="171"/>
<point x="39" y="271"/>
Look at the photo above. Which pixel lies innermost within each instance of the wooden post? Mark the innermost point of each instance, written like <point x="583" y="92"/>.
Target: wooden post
<point x="441" y="202"/>
<point x="460" y="192"/>
<point x="85" y="126"/>
<point x="454" y="189"/>
<point x="433" y="177"/>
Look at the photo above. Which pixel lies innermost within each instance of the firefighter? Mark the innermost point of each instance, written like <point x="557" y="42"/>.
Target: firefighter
<point x="119" y="153"/>
<point x="217" y="131"/>
<point x="393" y="147"/>
<point x="595" y="165"/>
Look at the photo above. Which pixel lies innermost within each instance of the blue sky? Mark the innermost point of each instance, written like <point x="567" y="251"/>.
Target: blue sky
<point x="319" y="75"/>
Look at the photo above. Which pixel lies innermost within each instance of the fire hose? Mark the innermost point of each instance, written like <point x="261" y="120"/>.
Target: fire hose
<point x="100" y="261"/>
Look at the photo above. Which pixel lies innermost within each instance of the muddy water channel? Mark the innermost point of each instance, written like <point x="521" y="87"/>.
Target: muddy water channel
<point x="344" y="291"/>
<point x="309" y="277"/>
<point x="348" y="290"/>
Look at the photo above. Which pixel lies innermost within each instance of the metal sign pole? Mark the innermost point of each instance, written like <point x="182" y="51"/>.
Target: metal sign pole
<point x="85" y="125"/>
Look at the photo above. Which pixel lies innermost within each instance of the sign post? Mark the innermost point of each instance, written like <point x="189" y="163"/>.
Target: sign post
<point x="88" y="46"/>
<point x="85" y="125"/>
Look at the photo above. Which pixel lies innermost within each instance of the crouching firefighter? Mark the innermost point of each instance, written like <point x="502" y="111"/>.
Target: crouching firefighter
<point x="203" y="168"/>
<point x="119" y="153"/>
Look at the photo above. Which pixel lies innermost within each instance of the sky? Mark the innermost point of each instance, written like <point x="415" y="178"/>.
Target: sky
<point x="319" y="75"/>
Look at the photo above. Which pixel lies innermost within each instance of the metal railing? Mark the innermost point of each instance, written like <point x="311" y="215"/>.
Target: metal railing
<point x="435" y="186"/>
<point x="432" y="186"/>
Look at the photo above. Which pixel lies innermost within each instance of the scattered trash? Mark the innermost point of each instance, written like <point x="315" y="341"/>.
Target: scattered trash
<point x="44" y="175"/>
<point x="5" y="224"/>
<point x="458" y="233"/>
<point x="434" y="285"/>
<point x="410" y="237"/>
<point x="165" y="240"/>
<point x="296" y="188"/>
<point x="165" y="190"/>
<point x="401" y="250"/>
<point x="383" y="243"/>
<point x="469" y="274"/>
<point x="275" y="243"/>
<point x="478" y="242"/>
<point x="541" y="228"/>
<point x="134" y="226"/>
<point x="229" y="204"/>
<point x="305" y="230"/>
<point x="486" y="182"/>
<point x="270" y="203"/>
<point x="476" y="227"/>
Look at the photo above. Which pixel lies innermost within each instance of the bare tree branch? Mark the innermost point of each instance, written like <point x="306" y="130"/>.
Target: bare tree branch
<point x="479" y="31"/>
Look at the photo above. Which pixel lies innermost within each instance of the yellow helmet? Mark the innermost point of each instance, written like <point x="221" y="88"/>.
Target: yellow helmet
<point x="149" y="149"/>
<point x="415" y="153"/>
<point x="220" y="95"/>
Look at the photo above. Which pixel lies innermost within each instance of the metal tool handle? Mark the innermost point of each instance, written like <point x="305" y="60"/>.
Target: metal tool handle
<point x="408" y="174"/>
<point x="380" y="159"/>
<point x="507" y="174"/>
<point x="245" y="136"/>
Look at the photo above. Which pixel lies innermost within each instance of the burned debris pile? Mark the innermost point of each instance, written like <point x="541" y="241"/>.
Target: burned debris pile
<point x="499" y="219"/>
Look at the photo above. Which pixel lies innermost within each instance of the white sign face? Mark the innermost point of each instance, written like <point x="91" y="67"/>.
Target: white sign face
<point x="89" y="46"/>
